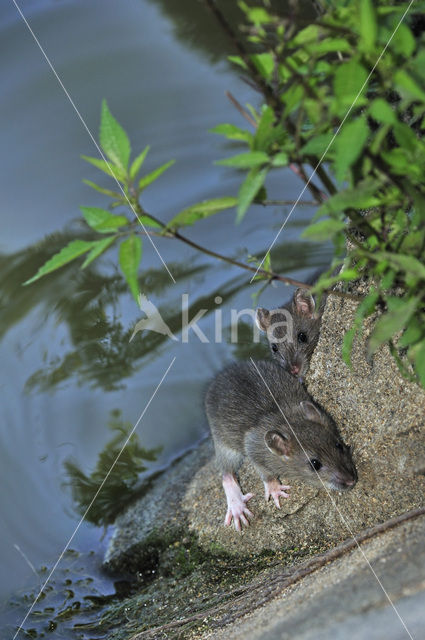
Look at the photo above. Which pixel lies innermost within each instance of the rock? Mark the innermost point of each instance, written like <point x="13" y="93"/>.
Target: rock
<point x="378" y="412"/>
<point x="345" y="600"/>
<point x="148" y="524"/>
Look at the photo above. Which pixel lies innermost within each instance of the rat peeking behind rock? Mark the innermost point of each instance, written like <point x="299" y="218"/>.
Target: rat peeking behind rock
<point x="293" y="331"/>
<point x="259" y="410"/>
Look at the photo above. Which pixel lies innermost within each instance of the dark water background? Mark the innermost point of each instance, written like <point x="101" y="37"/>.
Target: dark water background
<point x="66" y="362"/>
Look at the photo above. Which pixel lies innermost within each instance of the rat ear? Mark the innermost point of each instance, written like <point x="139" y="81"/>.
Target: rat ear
<point x="278" y="444"/>
<point x="262" y="319"/>
<point x="311" y="412"/>
<point x="304" y="303"/>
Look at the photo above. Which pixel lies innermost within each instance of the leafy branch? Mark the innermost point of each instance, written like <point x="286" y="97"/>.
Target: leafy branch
<point x="372" y="193"/>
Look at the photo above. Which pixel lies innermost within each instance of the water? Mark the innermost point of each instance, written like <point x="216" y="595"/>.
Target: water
<point x="66" y="360"/>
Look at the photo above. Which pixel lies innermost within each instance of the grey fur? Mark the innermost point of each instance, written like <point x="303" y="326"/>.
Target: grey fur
<point x="293" y="348"/>
<point x="245" y="421"/>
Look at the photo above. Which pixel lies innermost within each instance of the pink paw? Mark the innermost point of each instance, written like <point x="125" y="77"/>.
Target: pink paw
<point x="238" y="511"/>
<point x="276" y="490"/>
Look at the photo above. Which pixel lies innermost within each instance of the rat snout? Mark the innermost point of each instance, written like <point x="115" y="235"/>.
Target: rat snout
<point x="344" y="483"/>
<point x="295" y="369"/>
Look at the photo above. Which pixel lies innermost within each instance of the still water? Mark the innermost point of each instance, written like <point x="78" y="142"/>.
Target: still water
<point x="66" y="360"/>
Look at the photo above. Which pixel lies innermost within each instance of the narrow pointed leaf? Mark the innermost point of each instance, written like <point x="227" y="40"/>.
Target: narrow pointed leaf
<point x="323" y="230"/>
<point x="249" y="189"/>
<point x="137" y="162"/>
<point x="368" y="25"/>
<point x="390" y="323"/>
<point x="72" y="250"/>
<point x="348" y="146"/>
<point x="245" y="160"/>
<point x="113" y="139"/>
<point x="98" y="248"/>
<point x="151" y="177"/>
<point x="107" y="167"/>
<point x="231" y="132"/>
<point x="106" y="192"/>
<point x="101" y="220"/>
<point x="201" y="210"/>
<point x="129" y="255"/>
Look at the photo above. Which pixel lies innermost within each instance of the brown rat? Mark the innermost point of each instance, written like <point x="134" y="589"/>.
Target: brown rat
<point x="246" y="422"/>
<point x="293" y="331"/>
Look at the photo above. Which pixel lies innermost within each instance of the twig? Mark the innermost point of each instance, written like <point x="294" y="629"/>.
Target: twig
<point x="241" y="110"/>
<point x="254" y="595"/>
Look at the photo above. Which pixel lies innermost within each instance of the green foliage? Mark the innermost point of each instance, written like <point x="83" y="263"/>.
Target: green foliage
<point x="73" y="250"/>
<point x="102" y="221"/>
<point x="323" y="96"/>
<point x="329" y="105"/>
<point x="116" y="147"/>
<point x="201" y="210"/>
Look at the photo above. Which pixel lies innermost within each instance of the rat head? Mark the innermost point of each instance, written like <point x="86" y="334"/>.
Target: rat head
<point x="292" y="331"/>
<point x="317" y="455"/>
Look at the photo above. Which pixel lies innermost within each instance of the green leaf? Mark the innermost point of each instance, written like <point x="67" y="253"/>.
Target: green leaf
<point x="232" y="132"/>
<point x="98" y="247"/>
<point x="307" y="35"/>
<point x="264" y="63"/>
<point x="153" y="175"/>
<point x="349" y="80"/>
<point x="408" y="264"/>
<point x="413" y="333"/>
<point x="347" y="344"/>
<point x="362" y="196"/>
<point x="106" y="192"/>
<point x="237" y="60"/>
<point x="381" y="111"/>
<point x="245" y="160"/>
<point x="200" y="211"/>
<point x="403" y="41"/>
<point x="149" y="222"/>
<point x="292" y="98"/>
<point x="407" y="86"/>
<point x="348" y="146"/>
<point x="107" y="167"/>
<point x="72" y="250"/>
<point x="390" y="323"/>
<point x="249" y="189"/>
<point x="420" y="362"/>
<point x="113" y="139"/>
<point x="101" y="220"/>
<point x="329" y="45"/>
<point x="317" y="146"/>
<point x="281" y="159"/>
<point x="323" y="230"/>
<point x="368" y="26"/>
<point x="137" y="162"/>
<point x="406" y="137"/>
<point x="264" y="133"/>
<point x="130" y="254"/>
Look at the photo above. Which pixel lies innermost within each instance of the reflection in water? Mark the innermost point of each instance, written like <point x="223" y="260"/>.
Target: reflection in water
<point x="86" y="302"/>
<point x="123" y="472"/>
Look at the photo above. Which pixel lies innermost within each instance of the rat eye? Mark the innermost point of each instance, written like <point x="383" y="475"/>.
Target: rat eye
<point x="316" y="464"/>
<point x="274" y="347"/>
<point x="339" y="446"/>
<point x="301" y="337"/>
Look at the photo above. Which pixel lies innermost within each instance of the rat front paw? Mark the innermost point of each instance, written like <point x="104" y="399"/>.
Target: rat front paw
<point x="238" y="511"/>
<point x="276" y="490"/>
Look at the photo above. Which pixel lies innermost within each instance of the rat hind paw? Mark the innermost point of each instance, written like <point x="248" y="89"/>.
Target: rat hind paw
<point x="239" y="512"/>
<point x="276" y="490"/>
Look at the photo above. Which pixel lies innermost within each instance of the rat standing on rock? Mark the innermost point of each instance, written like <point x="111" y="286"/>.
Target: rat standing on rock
<point x="295" y="439"/>
<point x="293" y="331"/>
